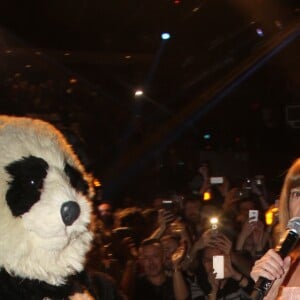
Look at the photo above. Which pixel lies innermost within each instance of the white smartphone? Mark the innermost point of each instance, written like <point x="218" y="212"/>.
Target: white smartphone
<point x="218" y="266"/>
<point x="216" y="180"/>
<point x="253" y="215"/>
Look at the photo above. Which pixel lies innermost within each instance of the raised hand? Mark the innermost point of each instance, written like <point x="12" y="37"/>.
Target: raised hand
<point x="178" y="255"/>
<point x="129" y="248"/>
<point x="221" y="242"/>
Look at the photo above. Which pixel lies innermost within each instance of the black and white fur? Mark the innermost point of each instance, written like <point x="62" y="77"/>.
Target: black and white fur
<point x="44" y="208"/>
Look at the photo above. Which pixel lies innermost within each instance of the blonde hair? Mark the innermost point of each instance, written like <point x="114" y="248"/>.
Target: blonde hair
<point x="292" y="180"/>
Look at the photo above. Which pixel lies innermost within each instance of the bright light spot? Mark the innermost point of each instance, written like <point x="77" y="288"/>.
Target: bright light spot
<point x="165" y="36"/>
<point x="8" y="51"/>
<point x="259" y="32"/>
<point x="206" y="196"/>
<point x="176" y="1"/>
<point x="214" y="220"/>
<point x="67" y="54"/>
<point x="195" y="9"/>
<point x="28" y="66"/>
<point x="138" y="93"/>
<point x="128" y="56"/>
<point x="207" y="136"/>
<point x="269" y="217"/>
<point x="96" y="182"/>
<point x="73" y="80"/>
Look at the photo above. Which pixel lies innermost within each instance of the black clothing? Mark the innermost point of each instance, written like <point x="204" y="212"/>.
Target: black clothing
<point x="96" y="283"/>
<point x="145" y="290"/>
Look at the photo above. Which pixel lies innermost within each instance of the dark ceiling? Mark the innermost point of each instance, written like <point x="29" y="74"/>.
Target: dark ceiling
<point x="230" y="69"/>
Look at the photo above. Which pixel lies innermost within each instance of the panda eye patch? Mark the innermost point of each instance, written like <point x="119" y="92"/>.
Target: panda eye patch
<point x="25" y="184"/>
<point x="76" y="179"/>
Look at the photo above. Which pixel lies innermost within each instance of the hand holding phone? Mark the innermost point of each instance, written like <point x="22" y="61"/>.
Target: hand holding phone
<point x="168" y="204"/>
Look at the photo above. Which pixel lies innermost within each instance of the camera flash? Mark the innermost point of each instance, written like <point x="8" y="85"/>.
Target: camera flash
<point x="214" y="223"/>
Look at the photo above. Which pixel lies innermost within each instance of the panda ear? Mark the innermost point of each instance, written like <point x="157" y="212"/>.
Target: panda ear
<point x="76" y="179"/>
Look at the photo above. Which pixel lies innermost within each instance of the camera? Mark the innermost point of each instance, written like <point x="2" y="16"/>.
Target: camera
<point x="214" y="224"/>
<point x="118" y="234"/>
<point x="259" y="180"/>
<point x="243" y="193"/>
<point x="168" y="204"/>
<point x="248" y="184"/>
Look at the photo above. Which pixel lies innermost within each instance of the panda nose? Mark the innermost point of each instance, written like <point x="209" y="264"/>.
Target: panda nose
<point x="69" y="212"/>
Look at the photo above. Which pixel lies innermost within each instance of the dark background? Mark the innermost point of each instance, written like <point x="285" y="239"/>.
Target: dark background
<point x="230" y="70"/>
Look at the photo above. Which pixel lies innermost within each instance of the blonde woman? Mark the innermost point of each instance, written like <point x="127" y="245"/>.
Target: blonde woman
<point x="285" y="273"/>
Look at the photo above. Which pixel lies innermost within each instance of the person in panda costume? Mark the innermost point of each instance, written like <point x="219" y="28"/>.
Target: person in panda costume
<point x="45" y="217"/>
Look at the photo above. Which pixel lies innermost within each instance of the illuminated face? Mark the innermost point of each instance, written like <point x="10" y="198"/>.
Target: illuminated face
<point x="151" y="259"/>
<point x="295" y="202"/>
<point x="105" y="209"/>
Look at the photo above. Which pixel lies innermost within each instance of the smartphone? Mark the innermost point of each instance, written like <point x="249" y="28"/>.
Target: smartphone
<point x="253" y="215"/>
<point x="218" y="266"/>
<point x="214" y="223"/>
<point x="216" y="180"/>
<point x="122" y="232"/>
<point x="168" y="204"/>
<point x="259" y="179"/>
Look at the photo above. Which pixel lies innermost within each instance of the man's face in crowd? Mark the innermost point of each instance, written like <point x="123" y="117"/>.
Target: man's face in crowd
<point x="192" y="211"/>
<point x="105" y="209"/>
<point x="151" y="259"/>
<point x="106" y="213"/>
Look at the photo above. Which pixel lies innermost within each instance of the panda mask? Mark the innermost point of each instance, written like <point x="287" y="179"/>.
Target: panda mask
<point x="44" y="208"/>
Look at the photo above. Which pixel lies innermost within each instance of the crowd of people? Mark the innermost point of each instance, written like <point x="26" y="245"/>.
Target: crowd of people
<point x="181" y="246"/>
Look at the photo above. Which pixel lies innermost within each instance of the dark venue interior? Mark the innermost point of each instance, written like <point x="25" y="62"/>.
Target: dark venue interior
<point x="223" y="88"/>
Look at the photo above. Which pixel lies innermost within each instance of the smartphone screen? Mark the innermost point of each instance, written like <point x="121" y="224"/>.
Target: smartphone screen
<point x="216" y="180"/>
<point x="253" y="215"/>
<point x="218" y="266"/>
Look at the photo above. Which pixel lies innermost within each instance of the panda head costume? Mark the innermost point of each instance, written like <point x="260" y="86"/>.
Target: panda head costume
<point x="45" y="213"/>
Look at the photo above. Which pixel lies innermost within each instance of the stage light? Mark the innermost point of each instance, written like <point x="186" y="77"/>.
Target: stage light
<point x="165" y="36"/>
